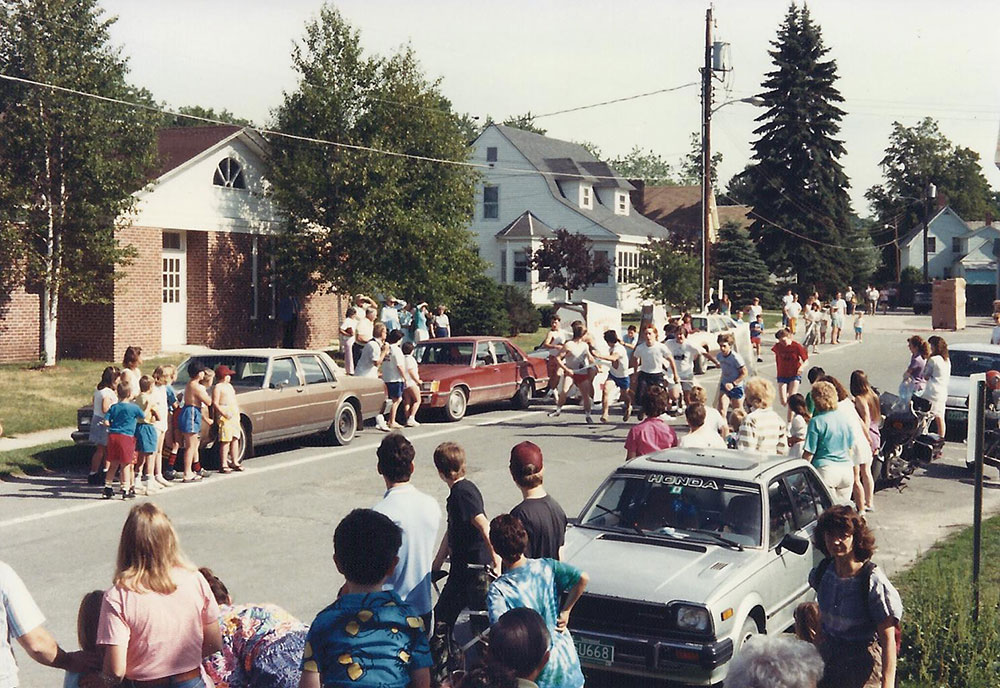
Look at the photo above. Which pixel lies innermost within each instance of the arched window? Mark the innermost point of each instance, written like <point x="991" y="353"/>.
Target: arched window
<point x="229" y="174"/>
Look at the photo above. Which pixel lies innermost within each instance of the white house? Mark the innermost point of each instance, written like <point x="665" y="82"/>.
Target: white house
<point x="534" y="185"/>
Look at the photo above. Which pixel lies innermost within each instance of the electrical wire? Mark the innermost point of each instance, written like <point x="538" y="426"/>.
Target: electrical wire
<point x="616" y="100"/>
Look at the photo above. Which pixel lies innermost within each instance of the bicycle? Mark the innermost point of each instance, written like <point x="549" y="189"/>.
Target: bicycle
<point x="457" y="648"/>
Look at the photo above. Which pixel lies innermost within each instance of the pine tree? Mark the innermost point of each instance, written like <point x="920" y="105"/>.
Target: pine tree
<point x="735" y="261"/>
<point x="799" y="188"/>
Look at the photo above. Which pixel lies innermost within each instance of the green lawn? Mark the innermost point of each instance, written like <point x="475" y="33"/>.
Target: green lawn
<point x="58" y="456"/>
<point x="33" y="398"/>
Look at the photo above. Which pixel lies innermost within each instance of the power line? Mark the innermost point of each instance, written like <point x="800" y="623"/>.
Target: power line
<point x="616" y="100"/>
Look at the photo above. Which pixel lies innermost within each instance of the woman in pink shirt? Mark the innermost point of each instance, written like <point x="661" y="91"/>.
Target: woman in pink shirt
<point x="160" y="618"/>
<point x="653" y="433"/>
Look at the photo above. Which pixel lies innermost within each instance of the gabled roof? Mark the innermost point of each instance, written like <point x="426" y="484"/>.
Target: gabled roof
<point x="565" y="161"/>
<point x="909" y="236"/>
<point x="979" y="228"/>
<point x="526" y="226"/>
<point x="177" y="145"/>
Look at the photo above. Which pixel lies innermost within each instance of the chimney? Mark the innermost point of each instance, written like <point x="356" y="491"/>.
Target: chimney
<point x="942" y="201"/>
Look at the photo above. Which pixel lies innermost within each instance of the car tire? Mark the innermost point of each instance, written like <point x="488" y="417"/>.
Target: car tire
<point x="246" y="442"/>
<point x="748" y="631"/>
<point x="456" y="405"/>
<point x="522" y="398"/>
<point x="345" y="425"/>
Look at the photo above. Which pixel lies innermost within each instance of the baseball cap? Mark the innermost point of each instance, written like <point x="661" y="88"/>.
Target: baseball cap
<point x="524" y="455"/>
<point x="224" y="370"/>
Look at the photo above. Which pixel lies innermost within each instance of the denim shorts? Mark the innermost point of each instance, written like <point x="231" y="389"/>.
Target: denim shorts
<point x="735" y="393"/>
<point x="623" y="382"/>
<point x="394" y="389"/>
<point x="789" y="380"/>
<point x="98" y="432"/>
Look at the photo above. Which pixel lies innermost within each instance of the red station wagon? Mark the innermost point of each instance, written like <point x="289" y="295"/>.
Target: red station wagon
<point x="458" y="371"/>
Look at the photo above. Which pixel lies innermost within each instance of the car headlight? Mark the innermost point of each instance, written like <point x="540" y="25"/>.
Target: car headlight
<point x="430" y="386"/>
<point x="694" y="619"/>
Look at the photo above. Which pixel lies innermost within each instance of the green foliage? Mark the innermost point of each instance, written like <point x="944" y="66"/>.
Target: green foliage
<point x="525" y="122"/>
<point x="480" y="309"/>
<point x="739" y="190"/>
<point x="521" y="312"/>
<point x="911" y="275"/>
<point x="567" y="262"/>
<point x="797" y="185"/>
<point x="736" y="261"/>
<point x="667" y="275"/>
<point x="651" y="167"/>
<point x="546" y="312"/>
<point x="942" y="646"/>
<point x="375" y="222"/>
<point x="692" y="168"/>
<point x="222" y="115"/>
<point x="916" y="157"/>
<point x="68" y="164"/>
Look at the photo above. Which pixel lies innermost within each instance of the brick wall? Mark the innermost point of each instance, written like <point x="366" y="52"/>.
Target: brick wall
<point x="320" y="318"/>
<point x="138" y="295"/>
<point x="20" y="326"/>
<point x="86" y="331"/>
<point x="197" y="288"/>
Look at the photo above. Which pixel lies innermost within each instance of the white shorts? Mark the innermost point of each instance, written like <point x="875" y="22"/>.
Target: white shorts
<point x="839" y="477"/>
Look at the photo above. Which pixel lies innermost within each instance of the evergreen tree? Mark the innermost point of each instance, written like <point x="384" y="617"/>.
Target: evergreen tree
<point x="798" y="186"/>
<point x="735" y="261"/>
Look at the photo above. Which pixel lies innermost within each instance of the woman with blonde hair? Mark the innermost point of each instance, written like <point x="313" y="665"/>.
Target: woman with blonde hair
<point x="160" y="618"/>
<point x="762" y="430"/>
<point x="829" y="438"/>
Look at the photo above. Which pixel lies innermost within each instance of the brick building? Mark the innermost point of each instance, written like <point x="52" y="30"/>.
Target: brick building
<point x="202" y="232"/>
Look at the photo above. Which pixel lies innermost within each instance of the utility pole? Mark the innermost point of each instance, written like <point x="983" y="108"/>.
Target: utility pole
<point x="706" y="158"/>
<point x="929" y="195"/>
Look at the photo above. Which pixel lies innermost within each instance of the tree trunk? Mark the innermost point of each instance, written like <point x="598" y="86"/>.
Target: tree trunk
<point x="50" y="311"/>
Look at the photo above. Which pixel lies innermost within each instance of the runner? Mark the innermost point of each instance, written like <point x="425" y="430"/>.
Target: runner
<point x="553" y="341"/>
<point x="838" y="310"/>
<point x="790" y="358"/>
<point x="734" y="372"/>
<point x="650" y="359"/>
<point x="684" y="354"/>
<point x="618" y="376"/>
<point x="578" y="365"/>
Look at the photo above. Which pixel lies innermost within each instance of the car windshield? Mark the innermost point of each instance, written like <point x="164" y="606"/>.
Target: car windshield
<point x="249" y="370"/>
<point x="678" y="505"/>
<point x="966" y="363"/>
<point x="446" y="353"/>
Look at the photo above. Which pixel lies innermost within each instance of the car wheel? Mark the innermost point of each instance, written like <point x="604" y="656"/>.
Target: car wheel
<point x="245" y="449"/>
<point x="748" y="631"/>
<point x="345" y="425"/>
<point x="456" y="406"/>
<point x="522" y="398"/>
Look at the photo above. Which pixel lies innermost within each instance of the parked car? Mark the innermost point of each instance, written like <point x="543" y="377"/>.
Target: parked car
<point x="922" y="298"/>
<point x="966" y="360"/>
<point x="282" y="393"/>
<point x="706" y="334"/>
<point x="690" y="554"/>
<point x="459" y="371"/>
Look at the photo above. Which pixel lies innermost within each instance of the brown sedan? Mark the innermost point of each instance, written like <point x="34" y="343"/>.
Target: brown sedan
<point x="282" y="394"/>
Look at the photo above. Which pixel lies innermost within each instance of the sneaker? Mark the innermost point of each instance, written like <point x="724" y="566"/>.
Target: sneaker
<point x="555" y="413"/>
<point x="628" y="412"/>
<point x="381" y="424"/>
<point x="108" y="492"/>
<point x="163" y="481"/>
<point x="130" y="494"/>
<point x="203" y="473"/>
<point x="141" y="490"/>
<point x="411" y="422"/>
<point x="170" y="474"/>
<point x="589" y="419"/>
<point x="604" y="418"/>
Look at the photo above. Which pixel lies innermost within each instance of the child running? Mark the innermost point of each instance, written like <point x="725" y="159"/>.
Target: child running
<point x="228" y="409"/>
<point x="368" y="636"/>
<point x="790" y="358"/>
<point x="121" y="420"/>
<point x="618" y="376"/>
<point x="756" y="333"/>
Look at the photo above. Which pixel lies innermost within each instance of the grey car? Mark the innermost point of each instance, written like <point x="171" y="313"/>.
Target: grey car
<point x="690" y="553"/>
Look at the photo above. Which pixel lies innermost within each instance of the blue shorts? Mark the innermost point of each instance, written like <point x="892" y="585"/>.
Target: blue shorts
<point x="146" y="437"/>
<point x="189" y="420"/>
<point x="734" y="393"/>
<point x="98" y="432"/>
<point x="857" y="330"/>
<point x="623" y="382"/>
<point x="395" y="389"/>
<point x="789" y="380"/>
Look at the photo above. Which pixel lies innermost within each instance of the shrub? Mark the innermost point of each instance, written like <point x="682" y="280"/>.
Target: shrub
<point x="521" y="312"/>
<point x="481" y="309"/>
<point x="546" y="312"/>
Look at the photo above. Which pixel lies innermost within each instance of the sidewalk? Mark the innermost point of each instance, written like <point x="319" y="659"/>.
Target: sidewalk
<point x="34" y="439"/>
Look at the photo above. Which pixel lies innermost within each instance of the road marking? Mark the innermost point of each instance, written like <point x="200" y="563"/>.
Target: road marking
<point x="218" y="480"/>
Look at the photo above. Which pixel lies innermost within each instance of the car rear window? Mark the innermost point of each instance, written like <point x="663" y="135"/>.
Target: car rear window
<point x="966" y="363"/>
<point x="447" y="353"/>
<point x="249" y="369"/>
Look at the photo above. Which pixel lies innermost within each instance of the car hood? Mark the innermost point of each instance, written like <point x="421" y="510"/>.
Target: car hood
<point x="650" y="569"/>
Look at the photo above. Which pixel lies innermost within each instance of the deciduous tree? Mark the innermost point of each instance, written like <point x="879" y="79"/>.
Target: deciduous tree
<point x="375" y="221"/>
<point x="668" y="275"/>
<point x="566" y="261"/>
<point x="68" y="163"/>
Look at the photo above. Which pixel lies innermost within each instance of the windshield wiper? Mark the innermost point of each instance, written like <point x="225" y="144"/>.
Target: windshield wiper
<point x="618" y="513"/>
<point x="718" y="537"/>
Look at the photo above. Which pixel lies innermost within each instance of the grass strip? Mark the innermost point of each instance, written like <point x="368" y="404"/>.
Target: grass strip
<point x="54" y="457"/>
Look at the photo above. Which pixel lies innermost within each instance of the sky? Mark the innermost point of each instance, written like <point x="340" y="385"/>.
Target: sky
<point x="898" y="60"/>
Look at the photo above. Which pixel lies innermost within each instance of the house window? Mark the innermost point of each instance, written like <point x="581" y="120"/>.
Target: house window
<point x="491" y="154"/>
<point x="627" y="264"/>
<point x="604" y="254"/>
<point x="229" y="174"/>
<point x="491" y="202"/>
<point x="586" y="197"/>
<point x="931" y="244"/>
<point x="622" y="204"/>
<point x="172" y="241"/>
<point x="520" y="267"/>
<point x="956" y="245"/>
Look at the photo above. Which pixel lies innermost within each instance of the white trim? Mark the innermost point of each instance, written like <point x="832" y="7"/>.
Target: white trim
<point x="254" y="278"/>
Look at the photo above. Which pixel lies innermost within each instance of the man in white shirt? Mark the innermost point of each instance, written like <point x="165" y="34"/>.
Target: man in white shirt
<point x="849" y="298"/>
<point x="792" y="311"/>
<point x="872" y="297"/>
<point x="785" y="300"/>
<point x="363" y="333"/>
<point x="754" y="309"/>
<point x="348" y="328"/>
<point x="372" y="354"/>
<point x="390" y="313"/>
<point x="838" y="310"/>
<point x="21" y="618"/>
<point x="700" y="435"/>
<point x="685" y="354"/>
<point x="419" y="517"/>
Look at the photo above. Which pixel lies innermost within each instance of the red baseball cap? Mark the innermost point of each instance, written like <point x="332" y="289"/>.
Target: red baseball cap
<point x="224" y="370"/>
<point x="524" y="455"/>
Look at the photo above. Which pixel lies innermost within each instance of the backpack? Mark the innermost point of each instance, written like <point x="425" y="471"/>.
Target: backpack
<point x="866" y="577"/>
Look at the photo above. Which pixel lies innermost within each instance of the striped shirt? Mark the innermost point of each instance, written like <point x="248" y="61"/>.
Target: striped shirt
<point x="763" y="432"/>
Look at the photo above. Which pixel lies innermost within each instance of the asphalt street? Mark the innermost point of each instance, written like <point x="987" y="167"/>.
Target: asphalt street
<point x="267" y="531"/>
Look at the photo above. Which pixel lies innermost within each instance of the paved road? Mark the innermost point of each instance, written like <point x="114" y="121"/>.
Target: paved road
<point x="267" y="532"/>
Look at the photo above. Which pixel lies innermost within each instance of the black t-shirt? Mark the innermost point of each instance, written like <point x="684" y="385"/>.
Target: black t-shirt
<point x="465" y="502"/>
<point x="545" y="522"/>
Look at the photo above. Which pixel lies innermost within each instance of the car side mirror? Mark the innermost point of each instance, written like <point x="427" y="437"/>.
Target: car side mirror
<point x="793" y="543"/>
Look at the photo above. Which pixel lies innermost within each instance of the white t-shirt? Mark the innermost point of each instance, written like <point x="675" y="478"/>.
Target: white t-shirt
<point x="684" y="357"/>
<point x="787" y="299"/>
<point x="393" y="364"/>
<point x="349" y="324"/>
<point x="390" y="316"/>
<point x="873" y="294"/>
<point x="755" y="310"/>
<point x="703" y="438"/>
<point x="364" y="330"/>
<point x="577" y="356"/>
<point x="369" y="355"/>
<point x="131" y="378"/>
<point x="849" y="296"/>
<point x="158" y="396"/>
<point x="839" y="307"/>
<point x="99" y="396"/>
<point x="18" y="616"/>
<point x="797" y="429"/>
<point x="620" y="367"/>
<point x="715" y="421"/>
<point x="793" y="309"/>
<point x="419" y="517"/>
<point x="412" y="370"/>
<point x="652" y="359"/>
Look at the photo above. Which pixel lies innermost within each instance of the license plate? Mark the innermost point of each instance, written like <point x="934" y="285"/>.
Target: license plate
<point x="960" y="416"/>
<point x="594" y="651"/>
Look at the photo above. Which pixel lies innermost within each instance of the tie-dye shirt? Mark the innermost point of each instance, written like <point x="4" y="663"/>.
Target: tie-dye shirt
<point x="261" y="646"/>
